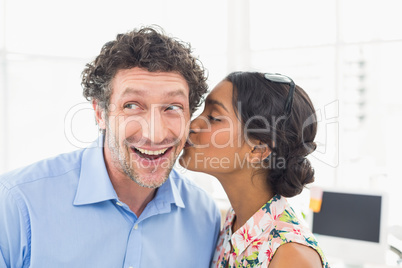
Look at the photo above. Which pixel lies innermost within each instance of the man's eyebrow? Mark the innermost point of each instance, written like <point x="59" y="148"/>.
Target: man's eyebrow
<point x="175" y="93"/>
<point x="215" y="102"/>
<point x="139" y="92"/>
<point x="133" y="91"/>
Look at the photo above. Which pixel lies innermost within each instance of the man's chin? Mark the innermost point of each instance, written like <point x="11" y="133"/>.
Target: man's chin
<point x="152" y="173"/>
<point x="152" y="176"/>
<point x="151" y="180"/>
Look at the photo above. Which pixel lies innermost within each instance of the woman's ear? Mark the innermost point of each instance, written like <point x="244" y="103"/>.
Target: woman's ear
<point x="258" y="153"/>
<point x="99" y="114"/>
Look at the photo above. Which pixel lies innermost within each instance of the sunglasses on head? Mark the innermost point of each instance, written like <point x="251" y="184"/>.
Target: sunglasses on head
<point x="283" y="79"/>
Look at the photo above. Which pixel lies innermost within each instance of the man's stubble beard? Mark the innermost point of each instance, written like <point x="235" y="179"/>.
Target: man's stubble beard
<point x="121" y="158"/>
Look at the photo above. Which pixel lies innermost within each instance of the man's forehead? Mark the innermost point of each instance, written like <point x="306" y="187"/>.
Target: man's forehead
<point x="142" y="82"/>
<point x="141" y="74"/>
<point x="179" y="92"/>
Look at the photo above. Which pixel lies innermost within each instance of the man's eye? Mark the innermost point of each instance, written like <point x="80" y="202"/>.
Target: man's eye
<point x="131" y="106"/>
<point x="173" y="108"/>
<point x="211" y="118"/>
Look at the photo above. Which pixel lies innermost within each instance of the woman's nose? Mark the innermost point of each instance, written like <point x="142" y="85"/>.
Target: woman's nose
<point x="195" y="125"/>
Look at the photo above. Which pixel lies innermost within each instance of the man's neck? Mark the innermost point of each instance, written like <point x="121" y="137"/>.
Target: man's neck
<point x="128" y="191"/>
<point x="132" y="194"/>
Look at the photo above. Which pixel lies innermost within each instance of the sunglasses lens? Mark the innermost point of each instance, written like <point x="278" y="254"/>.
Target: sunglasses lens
<point x="277" y="78"/>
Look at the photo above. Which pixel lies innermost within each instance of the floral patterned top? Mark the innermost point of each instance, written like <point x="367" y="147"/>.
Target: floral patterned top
<point x="255" y="243"/>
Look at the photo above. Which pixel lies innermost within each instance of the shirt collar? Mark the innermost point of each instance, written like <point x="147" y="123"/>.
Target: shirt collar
<point x="169" y="193"/>
<point x="94" y="184"/>
<point x="257" y="224"/>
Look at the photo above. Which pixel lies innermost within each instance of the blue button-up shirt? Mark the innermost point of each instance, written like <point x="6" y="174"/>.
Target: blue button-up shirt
<point x="64" y="212"/>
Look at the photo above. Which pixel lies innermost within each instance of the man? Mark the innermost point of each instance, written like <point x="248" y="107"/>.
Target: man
<point x="118" y="203"/>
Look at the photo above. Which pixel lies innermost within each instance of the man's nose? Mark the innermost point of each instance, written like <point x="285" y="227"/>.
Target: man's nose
<point x="157" y="130"/>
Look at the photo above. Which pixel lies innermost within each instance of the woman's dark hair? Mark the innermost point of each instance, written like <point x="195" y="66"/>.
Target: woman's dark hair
<point x="147" y="48"/>
<point x="260" y="105"/>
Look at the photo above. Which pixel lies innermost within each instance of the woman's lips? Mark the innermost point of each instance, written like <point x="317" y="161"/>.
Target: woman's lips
<point x="188" y="144"/>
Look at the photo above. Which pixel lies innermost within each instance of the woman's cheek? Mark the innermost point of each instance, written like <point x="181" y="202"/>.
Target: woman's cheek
<point x="223" y="138"/>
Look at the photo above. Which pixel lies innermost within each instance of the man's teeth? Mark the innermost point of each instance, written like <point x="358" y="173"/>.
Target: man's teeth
<point x="148" y="152"/>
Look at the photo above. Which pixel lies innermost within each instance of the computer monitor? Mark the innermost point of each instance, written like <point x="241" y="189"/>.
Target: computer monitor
<point x="351" y="226"/>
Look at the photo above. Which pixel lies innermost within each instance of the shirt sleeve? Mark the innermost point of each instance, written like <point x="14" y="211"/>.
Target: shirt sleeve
<point x="217" y="222"/>
<point x="14" y="251"/>
<point x="217" y="230"/>
<point x="2" y="261"/>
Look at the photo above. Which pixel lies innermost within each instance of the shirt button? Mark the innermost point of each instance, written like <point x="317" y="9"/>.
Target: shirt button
<point x="120" y="204"/>
<point x="136" y="227"/>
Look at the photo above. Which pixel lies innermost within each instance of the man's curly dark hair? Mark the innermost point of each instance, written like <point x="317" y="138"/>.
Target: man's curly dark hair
<point x="148" y="48"/>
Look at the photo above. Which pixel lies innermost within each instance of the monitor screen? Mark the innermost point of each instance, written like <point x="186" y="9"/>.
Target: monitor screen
<point x="354" y="216"/>
<point x="351" y="226"/>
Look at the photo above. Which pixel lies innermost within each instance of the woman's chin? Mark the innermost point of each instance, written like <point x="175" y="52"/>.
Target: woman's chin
<point x="183" y="162"/>
<point x="186" y="161"/>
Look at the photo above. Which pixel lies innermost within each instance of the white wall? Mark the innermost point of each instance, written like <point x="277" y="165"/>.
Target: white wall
<point x="45" y="44"/>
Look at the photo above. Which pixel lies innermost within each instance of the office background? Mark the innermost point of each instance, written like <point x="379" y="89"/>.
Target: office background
<point x="346" y="54"/>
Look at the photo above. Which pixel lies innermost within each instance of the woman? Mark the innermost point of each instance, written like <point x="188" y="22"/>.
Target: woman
<point x="253" y="136"/>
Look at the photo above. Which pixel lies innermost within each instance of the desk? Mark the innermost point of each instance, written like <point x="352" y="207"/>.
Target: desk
<point x="391" y="262"/>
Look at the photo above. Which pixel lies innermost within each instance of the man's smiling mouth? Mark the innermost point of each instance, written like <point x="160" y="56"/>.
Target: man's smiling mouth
<point x="151" y="154"/>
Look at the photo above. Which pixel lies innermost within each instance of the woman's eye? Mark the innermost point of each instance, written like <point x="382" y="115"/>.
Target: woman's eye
<point x="211" y="118"/>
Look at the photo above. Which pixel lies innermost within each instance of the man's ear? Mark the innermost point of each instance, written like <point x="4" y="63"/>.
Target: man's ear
<point x="99" y="114"/>
<point x="258" y="153"/>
